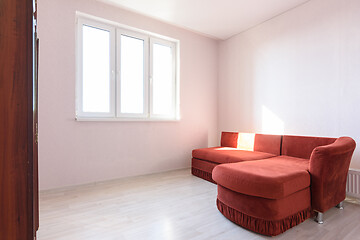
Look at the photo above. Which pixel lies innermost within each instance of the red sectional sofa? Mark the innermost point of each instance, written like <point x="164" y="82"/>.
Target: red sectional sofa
<point x="270" y="183"/>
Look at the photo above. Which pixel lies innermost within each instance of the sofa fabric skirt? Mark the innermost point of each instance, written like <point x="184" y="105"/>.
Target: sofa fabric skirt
<point x="202" y="169"/>
<point x="202" y="174"/>
<point x="265" y="216"/>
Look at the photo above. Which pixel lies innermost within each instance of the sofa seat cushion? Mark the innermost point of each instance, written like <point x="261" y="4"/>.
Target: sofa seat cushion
<point x="228" y="155"/>
<point x="262" y="178"/>
<point x="293" y="162"/>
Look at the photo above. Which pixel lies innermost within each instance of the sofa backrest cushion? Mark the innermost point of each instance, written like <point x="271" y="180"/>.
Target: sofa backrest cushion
<point x="268" y="143"/>
<point x="252" y="142"/>
<point x="302" y="146"/>
<point x="243" y="141"/>
<point x="229" y="139"/>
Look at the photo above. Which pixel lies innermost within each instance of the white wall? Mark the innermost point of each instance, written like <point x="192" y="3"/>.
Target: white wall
<point x="298" y="73"/>
<point x="72" y="152"/>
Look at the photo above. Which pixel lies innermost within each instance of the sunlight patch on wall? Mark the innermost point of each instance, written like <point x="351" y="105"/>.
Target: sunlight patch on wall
<point x="271" y="123"/>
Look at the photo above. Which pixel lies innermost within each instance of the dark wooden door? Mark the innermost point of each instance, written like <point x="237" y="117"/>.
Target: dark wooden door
<point x="35" y="121"/>
<point x="18" y="182"/>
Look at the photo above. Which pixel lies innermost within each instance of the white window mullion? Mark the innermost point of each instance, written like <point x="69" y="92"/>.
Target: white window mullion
<point x="174" y="85"/>
<point x="118" y="76"/>
<point x="150" y="78"/>
<point x="146" y="78"/>
<point x="113" y="72"/>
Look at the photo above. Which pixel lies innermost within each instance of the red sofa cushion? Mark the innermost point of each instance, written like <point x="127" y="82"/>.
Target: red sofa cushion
<point x="229" y="139"/>
<point x="302" y="146"/>
<point x="262" y="178"/>
<point x="252" y="142"/>
<point x="268" y="143"/>
<point x="298" y="163"/>
<point x="228" y="155"/>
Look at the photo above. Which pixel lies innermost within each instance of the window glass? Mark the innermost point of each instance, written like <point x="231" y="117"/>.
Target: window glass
<point x="132" y="75"/>
<point x="95" y="70"/>
<point x="163" y="84"/>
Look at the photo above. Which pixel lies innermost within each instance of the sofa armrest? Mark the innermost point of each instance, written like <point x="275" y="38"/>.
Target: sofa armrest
<point x="329" y="166"/>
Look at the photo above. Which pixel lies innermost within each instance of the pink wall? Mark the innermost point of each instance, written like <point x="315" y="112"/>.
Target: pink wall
<point x="295" y="74"/>
<point x="72" y="152"/>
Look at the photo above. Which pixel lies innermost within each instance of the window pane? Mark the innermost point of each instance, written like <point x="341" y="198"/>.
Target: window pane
<point x="96" y="70"/>
<point x="132" y="75"/>
<point x="163" y="95"/>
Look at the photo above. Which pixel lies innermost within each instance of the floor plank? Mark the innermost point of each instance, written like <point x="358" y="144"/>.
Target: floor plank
<point x="168" y="206"/>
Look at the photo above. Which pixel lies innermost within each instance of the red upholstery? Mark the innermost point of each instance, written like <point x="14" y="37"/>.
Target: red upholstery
<point x="329" y="166"/>
<point x="203" y="165"/>
<point x="203" y="169"/>
<point x="202" y="174"/>
<point x="261" y="143"/>
<point x="228" y="155"/>
<point x="268" y="143"/>
<point x="262" y="178"/>
<point x="269" y="209"/>
<point x="269" y="193"/>
<point x="301" y="146"/>
<point x="265" y="216"/>
<point x="264" y="146"/>
<point x="229" y="139"/>
<point x="298" y="163"/>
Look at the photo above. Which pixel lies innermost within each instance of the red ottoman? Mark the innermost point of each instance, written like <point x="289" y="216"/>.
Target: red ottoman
<point x="263" y="197"/>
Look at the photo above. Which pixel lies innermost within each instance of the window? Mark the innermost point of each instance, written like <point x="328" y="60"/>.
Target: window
<point x="124" y="74"/>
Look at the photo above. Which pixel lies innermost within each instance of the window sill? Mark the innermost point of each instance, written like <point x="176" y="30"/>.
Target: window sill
<point x="107" y="119"/>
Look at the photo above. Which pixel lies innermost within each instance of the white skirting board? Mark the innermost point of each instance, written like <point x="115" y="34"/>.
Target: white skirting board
<point x="353" y="183"/>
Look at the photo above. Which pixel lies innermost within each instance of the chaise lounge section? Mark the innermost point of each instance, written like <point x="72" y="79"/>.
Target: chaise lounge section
<point x="235" y="147"/>
<point x="273" y="194"/>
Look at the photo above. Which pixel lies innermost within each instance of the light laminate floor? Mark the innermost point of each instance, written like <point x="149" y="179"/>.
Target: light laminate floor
<point x="167" y="206"/>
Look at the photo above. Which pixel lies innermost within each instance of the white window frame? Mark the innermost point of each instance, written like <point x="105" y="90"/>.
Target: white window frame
<point x="119" y="32"/>
<point x="116" y="30"/>
<point x="79" y="83"/>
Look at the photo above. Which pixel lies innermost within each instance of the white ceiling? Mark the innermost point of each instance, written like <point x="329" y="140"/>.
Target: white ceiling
<point x="219" y="19"/>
